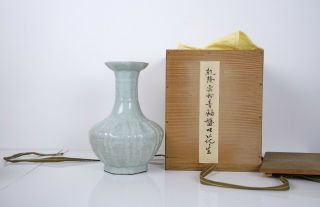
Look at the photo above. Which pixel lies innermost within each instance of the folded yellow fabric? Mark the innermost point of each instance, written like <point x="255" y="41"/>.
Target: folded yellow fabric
<point x="235" y="41"/>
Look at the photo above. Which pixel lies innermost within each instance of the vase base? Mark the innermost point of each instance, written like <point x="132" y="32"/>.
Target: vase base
<point x="126" y="170"/>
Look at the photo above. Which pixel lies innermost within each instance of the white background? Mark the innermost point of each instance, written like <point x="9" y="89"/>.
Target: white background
<point x="54" y="85"/>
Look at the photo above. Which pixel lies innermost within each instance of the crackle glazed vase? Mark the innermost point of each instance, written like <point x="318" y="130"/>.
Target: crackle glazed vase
<point x="126" y="140"/>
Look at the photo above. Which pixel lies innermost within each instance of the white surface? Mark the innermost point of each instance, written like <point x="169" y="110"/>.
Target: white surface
<point x="86" y="184"/>
<point x="54" y="85"/>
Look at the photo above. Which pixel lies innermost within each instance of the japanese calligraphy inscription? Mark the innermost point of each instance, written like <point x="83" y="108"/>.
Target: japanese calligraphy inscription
<point x="209" y="111"/>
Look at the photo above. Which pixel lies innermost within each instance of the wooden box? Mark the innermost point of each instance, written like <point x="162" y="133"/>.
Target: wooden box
<point x="237" y="115"/>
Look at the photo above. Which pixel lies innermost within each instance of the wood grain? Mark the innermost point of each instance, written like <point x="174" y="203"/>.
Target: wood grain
<point x="240" y="118"/>
<point x="291" y="163"/>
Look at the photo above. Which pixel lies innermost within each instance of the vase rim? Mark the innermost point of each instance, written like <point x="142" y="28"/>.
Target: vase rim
<point x="126" y="65"/>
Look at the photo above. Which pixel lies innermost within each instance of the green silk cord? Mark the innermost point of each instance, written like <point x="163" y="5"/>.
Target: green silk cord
<point x="58" y="157"/>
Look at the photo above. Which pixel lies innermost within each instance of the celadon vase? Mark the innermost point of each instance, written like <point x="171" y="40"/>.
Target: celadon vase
<point x="126" y="140"/>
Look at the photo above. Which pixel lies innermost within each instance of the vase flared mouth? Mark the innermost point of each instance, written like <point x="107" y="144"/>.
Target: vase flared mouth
<point x="126" y="65"/>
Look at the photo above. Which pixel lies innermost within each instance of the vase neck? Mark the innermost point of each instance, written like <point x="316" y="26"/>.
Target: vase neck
<point x="126" y="101"/>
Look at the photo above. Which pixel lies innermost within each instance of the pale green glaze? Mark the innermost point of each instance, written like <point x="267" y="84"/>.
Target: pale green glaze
<point x="126" y="140"/>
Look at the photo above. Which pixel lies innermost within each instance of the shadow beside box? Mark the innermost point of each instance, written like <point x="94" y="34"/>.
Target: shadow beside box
<point x="240" y="109"/>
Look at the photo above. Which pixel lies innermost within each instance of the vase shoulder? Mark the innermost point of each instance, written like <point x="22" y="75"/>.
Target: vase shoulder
<point x="125" y="125"/>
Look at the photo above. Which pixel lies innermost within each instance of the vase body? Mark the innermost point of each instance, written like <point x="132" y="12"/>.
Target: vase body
<point x="126" y="140"/>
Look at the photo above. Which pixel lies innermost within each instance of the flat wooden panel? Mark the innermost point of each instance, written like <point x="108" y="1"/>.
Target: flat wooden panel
<point x="240" y="127"/>
<point x="291" y="163"/>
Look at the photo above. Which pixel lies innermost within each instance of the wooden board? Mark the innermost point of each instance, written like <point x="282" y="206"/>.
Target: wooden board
<point x="240" y="117"/>
<point x="291" y="163"/>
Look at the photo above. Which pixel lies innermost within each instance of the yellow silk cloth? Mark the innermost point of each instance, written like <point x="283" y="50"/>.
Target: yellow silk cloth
<point x="235" y="41"/>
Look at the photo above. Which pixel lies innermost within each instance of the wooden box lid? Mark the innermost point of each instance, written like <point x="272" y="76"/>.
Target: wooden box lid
<point x="291" y="163"/>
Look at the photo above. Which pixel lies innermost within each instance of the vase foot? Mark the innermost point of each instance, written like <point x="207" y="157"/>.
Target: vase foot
<point x="125" y="170"/>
